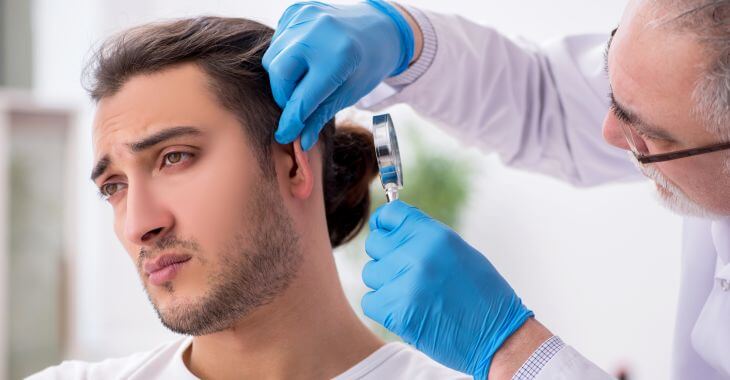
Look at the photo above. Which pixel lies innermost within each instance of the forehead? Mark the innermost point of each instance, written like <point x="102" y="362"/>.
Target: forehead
<point x="176" y="96"/>
<point x="652" y="67"/>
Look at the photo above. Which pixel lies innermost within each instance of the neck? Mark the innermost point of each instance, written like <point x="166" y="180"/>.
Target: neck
<point x="309" y="331"/>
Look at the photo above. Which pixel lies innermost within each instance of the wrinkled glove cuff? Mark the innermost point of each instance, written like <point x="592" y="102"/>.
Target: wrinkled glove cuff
<point x="428" y="51"/>
<point x="405" y="32"/>
<point x="515" y="322"/>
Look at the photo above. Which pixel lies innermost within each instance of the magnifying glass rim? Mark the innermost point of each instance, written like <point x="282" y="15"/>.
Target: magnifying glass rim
<point x="384" y="124"/>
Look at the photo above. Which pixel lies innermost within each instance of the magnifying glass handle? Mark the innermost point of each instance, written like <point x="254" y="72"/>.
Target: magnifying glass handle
<point x="391" y="192"/>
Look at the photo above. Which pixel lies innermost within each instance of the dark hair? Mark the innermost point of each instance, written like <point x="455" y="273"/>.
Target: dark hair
<point x="229" y="51"/>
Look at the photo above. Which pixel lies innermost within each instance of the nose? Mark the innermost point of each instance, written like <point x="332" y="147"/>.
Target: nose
<point x="612" y="132"/>
<point x="147" y="219"/>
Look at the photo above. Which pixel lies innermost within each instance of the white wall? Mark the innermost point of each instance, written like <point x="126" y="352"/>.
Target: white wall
<point x="598" y="266"/>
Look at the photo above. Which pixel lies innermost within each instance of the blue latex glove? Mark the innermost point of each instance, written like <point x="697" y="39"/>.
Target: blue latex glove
<point x="324" y="58"/>
<point x="436" y="292"/>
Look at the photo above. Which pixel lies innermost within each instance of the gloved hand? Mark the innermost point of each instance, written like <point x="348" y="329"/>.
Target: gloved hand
<point x="436" y="292"/>
<point x="324" y="58"/>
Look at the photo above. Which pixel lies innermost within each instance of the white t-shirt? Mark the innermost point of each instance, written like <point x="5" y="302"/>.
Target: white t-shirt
<point x="392" y="361"/>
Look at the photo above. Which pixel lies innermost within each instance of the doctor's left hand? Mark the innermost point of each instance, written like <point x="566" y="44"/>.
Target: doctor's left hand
<point x="437" y="292"/>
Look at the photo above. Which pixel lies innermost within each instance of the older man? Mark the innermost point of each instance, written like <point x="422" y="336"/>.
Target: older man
<point x="541" y="108"/>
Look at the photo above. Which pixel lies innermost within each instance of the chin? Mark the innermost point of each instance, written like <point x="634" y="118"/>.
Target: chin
<point x="180" y="316"/>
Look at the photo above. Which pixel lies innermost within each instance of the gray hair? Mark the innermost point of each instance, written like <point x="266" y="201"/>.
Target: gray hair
<point x="709" y="21"/>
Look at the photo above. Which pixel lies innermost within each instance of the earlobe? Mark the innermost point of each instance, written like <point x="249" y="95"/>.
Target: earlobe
<point x="301" y="178"/>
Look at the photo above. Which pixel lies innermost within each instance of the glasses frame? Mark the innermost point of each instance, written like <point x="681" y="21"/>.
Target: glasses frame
<point x="662" y="157"/>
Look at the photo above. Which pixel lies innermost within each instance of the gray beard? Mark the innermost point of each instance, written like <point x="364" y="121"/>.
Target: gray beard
<point x="676" y="201"/>
<point x="257" y="265"/>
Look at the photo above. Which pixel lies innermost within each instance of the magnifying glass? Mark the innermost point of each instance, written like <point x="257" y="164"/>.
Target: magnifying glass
<point x="388" y="155"/>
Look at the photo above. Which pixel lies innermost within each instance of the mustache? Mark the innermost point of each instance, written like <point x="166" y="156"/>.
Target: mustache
<point x="652" y="173"/>
<point x="166" y="242"/>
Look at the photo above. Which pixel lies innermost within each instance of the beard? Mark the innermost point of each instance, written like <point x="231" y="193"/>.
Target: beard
<point x="255" y="266"/>
<point x="671" y="196"/>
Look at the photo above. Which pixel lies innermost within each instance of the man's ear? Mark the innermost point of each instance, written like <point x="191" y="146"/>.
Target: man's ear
<point x="300" y="176"/>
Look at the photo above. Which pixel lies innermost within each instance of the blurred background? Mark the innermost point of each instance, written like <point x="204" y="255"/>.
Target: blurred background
<point x="598" y="266"/>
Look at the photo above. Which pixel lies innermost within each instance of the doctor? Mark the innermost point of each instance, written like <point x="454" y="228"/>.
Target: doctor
<point x="542" y="108"/>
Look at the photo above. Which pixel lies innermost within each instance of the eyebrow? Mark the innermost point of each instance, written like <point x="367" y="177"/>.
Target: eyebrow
<point x="608" y="47"/>
<point x="144" y="144"/>
<point x="100" y="167"/>
<point x="162" y="136"/>
<point x="631" y="118"/>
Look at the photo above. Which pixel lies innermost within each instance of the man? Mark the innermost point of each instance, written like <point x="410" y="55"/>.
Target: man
<point x="540" y="108"/>
<point x="232" y="233"/>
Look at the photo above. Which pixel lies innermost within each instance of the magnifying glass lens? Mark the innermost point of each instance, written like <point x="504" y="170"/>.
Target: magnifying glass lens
<point x="388" y="155"/>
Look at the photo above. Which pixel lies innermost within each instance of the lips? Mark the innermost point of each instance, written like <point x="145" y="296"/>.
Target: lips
<point x="165" y="267"/>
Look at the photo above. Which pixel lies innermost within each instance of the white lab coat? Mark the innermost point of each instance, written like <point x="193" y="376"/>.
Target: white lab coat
<point x="541" y="108"/>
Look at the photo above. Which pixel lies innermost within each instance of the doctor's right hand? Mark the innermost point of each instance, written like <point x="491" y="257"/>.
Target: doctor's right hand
<point x="325" y="57"/>
<point x="436" y="292"/>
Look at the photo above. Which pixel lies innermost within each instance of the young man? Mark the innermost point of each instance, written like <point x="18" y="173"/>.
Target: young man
<point x="232" y="233"/>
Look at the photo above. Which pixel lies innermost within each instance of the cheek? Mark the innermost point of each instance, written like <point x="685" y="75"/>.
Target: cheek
<point x="682" y="175"/>
<point x="703" y="181"/>
<point x="716" y="188"/>
<point x="131" y="249"/>
<point x="211" y="201"/>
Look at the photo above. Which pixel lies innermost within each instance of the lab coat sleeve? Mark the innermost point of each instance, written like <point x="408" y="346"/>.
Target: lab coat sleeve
<point x="556" y="360"/>
<point x="569" y="364"/>
<point x="539" y="107"/>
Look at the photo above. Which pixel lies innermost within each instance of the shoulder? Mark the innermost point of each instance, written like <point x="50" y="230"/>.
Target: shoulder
<point x="400" y="361"/>
<point x="113" y="368"/>
<point x="410" y="363"/>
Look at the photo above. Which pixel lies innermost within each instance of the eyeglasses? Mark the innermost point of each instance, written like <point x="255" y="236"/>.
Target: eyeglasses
<point x="641" y="151"/>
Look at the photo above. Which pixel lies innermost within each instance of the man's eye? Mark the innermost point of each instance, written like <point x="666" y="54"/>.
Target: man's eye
<point x="107" y="190"/>
<point x="174" y="158"/>
<point x="643" y="135"/>
<point x="620" y="115"/>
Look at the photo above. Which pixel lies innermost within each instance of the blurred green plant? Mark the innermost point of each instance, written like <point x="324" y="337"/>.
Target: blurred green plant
<point x="435" y="182"/>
